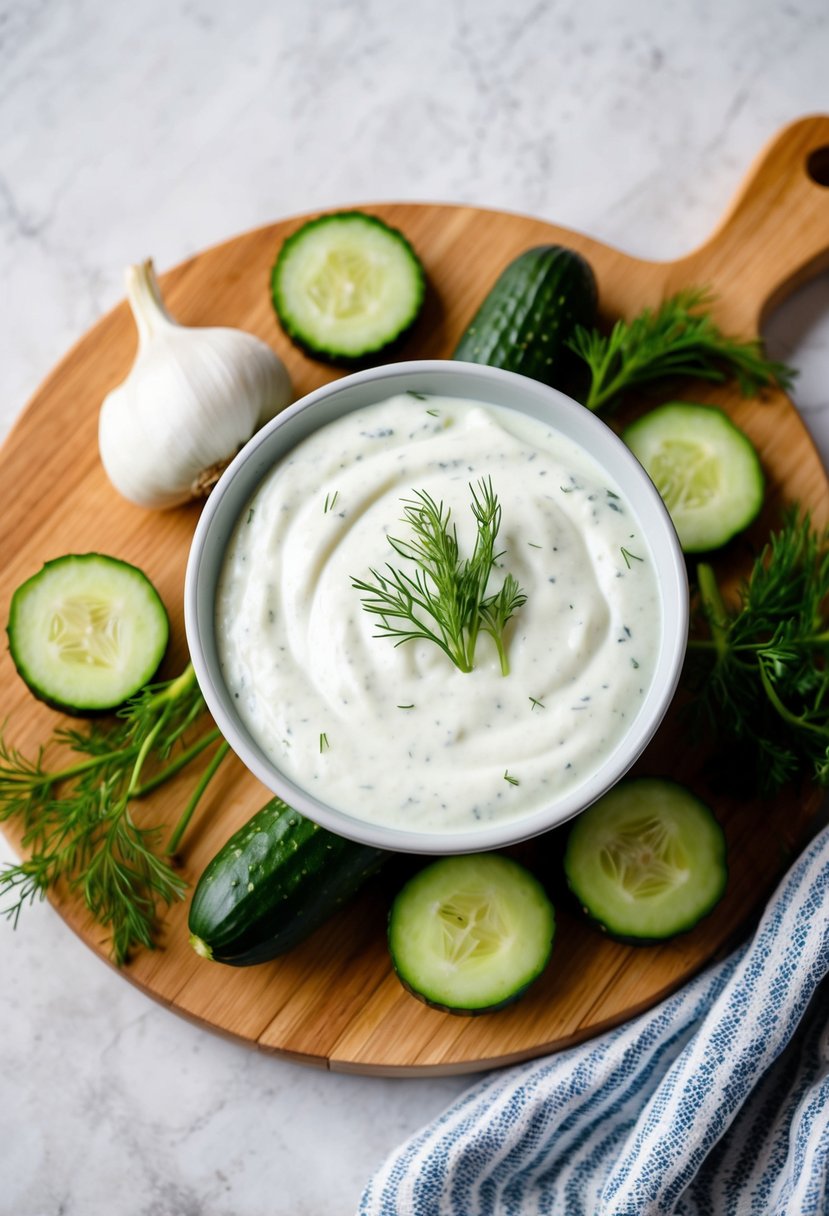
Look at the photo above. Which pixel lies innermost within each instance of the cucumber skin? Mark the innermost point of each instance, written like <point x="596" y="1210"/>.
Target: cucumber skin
<point x="301" y="875"/>
<point x="324" y="353"/>
<point x="35" y="689"/>
<point x="470" y="1013"/>
<point x="629" y="939"/>
<point x="480" y="1009"/>
<point x="525" y="322"/>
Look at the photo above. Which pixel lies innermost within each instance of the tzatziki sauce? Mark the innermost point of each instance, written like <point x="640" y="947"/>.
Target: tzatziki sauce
<point x="398" y="735"/>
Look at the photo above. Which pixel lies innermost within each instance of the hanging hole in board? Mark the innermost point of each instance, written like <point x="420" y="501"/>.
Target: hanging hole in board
<point x="817" y="166"/>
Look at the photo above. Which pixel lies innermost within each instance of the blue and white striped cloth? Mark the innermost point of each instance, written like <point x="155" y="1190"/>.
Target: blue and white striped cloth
<point x="715" y="1103"/>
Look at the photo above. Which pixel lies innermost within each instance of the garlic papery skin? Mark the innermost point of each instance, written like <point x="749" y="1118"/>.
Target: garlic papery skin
<point x="191" y="400"/>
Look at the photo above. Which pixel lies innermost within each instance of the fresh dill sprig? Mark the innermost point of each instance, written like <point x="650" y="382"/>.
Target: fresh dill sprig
<point x="497" y="610"/>
<point x="77" y="821"/>
<point x="760" y="675"/>
<point x="679" y="338"/>
<point x="445" y="600"/>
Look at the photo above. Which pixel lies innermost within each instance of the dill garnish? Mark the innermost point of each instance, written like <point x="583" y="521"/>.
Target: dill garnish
<point x="446" y="600"/>
<point x="677" y="339"/>
<point x="628" y="556"/>
<point x="77" y="821"/>
<point x="760" y="676"/>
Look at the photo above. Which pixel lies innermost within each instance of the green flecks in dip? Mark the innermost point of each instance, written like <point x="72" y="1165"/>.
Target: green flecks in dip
<point x="419" y="743"/>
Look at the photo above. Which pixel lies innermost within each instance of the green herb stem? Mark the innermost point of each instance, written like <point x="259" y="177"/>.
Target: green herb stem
<point x="799" y="721"/>
<point x="713" y="607"/>
<point x="181" y="761"/>
<point x="171" y="692"/>
<point x="809" y="642"/>
<point x="205" y="779"/>
<point x="144" y="750"/>
<point x="35" y="779"/>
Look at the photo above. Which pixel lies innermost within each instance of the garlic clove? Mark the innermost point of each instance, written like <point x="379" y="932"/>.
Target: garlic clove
<point x="191" y="400"/>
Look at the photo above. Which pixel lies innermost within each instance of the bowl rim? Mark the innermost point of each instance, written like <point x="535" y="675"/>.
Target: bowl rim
<point x="246" y="471"/>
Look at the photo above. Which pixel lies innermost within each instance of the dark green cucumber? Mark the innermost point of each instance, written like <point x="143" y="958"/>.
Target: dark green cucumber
<point x="346" y="286"/>
<point x="272" y="884"/>
<point x="87" y="632"/>
<point x="469" y="934"/>
<point x="526" y="320"/>
<point x="647" y="861"/>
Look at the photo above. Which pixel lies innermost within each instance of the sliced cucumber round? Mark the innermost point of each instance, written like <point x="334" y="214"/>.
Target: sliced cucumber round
<point x="86" y="632"/>
<point x="647" y="861"/>
<point x="470" y="934"/>
<point x="346" y="286"/>
<point x="705" y="469"/>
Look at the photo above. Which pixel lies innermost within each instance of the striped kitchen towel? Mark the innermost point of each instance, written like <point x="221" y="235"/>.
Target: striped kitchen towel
<point x="715" y="1103"/>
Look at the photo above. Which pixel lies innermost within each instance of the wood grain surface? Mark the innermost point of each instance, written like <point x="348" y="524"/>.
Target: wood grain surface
<point x="334" y="1001"/>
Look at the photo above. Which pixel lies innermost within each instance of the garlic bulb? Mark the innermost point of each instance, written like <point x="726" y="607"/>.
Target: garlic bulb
<point x="192" y="398"/>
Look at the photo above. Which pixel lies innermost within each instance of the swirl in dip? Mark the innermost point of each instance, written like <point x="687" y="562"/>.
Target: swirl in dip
<point x="399" y="735"/>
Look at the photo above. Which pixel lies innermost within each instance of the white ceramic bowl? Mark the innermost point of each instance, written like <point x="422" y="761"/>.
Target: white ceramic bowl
<point x="452" y="379"/>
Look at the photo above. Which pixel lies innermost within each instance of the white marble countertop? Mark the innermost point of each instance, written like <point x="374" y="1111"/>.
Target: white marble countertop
<point x="161" y="127"/>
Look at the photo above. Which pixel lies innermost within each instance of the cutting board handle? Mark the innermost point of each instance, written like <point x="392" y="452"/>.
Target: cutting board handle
<point x="774" y="236"/>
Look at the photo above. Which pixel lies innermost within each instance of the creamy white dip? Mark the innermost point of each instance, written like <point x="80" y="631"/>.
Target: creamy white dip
<point x="399" y="735"/>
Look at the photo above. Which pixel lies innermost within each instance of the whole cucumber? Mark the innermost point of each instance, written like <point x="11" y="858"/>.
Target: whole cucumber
<point x="525" y="322"/>
<point x="272" y="884"/>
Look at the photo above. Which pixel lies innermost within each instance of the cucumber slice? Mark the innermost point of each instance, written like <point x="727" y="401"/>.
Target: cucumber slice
<point x="705" y="468"/>
<point x="346" y="286"/>
<point x="647" y="861"/>
<point x="86" y="632"/>
<point x="470" y="934"/>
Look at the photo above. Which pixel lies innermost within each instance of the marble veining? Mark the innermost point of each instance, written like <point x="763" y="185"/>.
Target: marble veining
<point x="158" y="128"/>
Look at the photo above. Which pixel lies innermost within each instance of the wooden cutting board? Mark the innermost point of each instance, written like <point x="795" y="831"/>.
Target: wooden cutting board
<point x="334" y="1001"/>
